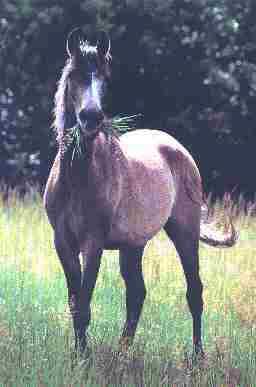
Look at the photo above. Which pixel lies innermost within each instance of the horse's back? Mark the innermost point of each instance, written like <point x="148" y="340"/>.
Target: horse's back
<point x="145" y="143"/>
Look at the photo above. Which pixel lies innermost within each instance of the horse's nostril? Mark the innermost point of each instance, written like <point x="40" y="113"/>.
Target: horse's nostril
<point x="91" y="116"/>
<point x="83" y="115"/>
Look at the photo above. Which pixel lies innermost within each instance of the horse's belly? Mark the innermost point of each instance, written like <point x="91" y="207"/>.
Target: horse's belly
<point x="145" y="210"/>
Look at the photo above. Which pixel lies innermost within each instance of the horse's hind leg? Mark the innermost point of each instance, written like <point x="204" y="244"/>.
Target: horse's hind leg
<point x="185" y="236"/>
<point x="131" y="271"/>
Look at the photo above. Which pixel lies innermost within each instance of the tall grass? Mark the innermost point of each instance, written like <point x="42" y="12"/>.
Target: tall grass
<point x="36" y="337"/>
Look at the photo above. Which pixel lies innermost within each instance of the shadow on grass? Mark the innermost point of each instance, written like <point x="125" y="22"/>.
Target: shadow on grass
<point x="106" y="367"/>
<point x="29" y="359"/>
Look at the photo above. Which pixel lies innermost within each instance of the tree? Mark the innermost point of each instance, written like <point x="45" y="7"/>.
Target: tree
<point x="188" y="66"/>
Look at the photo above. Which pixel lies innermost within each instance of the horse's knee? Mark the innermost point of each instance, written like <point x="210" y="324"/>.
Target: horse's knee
<point x="65" y="241"/>
<point x="140" y="293"/>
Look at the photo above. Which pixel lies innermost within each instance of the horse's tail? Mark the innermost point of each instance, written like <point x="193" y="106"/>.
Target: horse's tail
<point x="210" y="234"/>
<point x="190" y="176"/>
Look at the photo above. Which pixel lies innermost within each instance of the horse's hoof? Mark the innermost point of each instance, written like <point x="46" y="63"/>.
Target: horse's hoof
<point x="198" y="350"/>
<point x="198" y="355"/>
<point x="125" y="343"/>
<point x="80" y="355"/>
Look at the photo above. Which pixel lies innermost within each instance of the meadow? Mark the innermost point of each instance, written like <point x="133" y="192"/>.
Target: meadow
<point x="36" y="336"/>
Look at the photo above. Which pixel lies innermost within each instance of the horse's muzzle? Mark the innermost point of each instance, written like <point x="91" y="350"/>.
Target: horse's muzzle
<point x="90" y="119"/>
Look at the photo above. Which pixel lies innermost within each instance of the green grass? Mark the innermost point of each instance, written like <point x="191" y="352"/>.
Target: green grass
<point x="36" y="337"/>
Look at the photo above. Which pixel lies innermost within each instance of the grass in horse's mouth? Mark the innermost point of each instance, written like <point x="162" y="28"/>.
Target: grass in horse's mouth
<point x="123" y="124"/>
<point x="75" y="140"/>
<point x="116" y="125"/>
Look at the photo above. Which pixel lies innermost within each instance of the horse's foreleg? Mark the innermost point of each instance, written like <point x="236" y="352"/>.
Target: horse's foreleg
<point x="186" y="242"/>
<point x="68" y="253"/>
<point x="91" y="264"/>
<point x="131" y="271"/>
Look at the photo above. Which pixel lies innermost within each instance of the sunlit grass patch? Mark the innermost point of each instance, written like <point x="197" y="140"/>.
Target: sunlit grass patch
<point x="26" y="236"/>
<point x="36" y="334"/>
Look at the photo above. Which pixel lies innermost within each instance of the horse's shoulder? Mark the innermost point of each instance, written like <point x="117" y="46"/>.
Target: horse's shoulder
<point x="51" y="193"/>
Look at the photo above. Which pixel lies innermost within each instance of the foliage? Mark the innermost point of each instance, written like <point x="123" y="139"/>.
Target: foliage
<point x="188" y="66"/>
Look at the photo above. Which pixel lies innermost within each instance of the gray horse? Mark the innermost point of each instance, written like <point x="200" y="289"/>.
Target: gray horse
<point x="119" y="194"/>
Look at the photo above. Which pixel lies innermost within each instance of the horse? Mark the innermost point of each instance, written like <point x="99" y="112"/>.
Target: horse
<point x="118" y="193"/>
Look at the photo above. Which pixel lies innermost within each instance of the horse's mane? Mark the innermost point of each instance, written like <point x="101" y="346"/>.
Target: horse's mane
<point x="62" y="118"/>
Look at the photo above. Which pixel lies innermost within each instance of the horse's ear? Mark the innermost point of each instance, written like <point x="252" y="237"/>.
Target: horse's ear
<point x="103" y="44"/>
<point x="75" y="37"/>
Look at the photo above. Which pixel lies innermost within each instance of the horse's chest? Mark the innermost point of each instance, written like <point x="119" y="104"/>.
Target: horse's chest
<point x="88" y="215"/>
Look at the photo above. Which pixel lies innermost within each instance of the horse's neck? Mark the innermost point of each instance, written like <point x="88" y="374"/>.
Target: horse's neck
<point x="106" y="161"/>
<point x="99" y="166"/>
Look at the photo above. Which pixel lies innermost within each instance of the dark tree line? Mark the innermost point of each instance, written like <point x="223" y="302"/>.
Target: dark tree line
<point x="188" y="65"/>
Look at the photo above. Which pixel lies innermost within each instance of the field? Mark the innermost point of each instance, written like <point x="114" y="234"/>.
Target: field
<point x="36" y="337"/>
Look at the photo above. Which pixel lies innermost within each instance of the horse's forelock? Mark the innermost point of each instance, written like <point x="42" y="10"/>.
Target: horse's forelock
<point x="86" y="48"/>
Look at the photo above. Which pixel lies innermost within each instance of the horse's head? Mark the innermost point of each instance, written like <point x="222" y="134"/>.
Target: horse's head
<point x="85" y="83"/>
